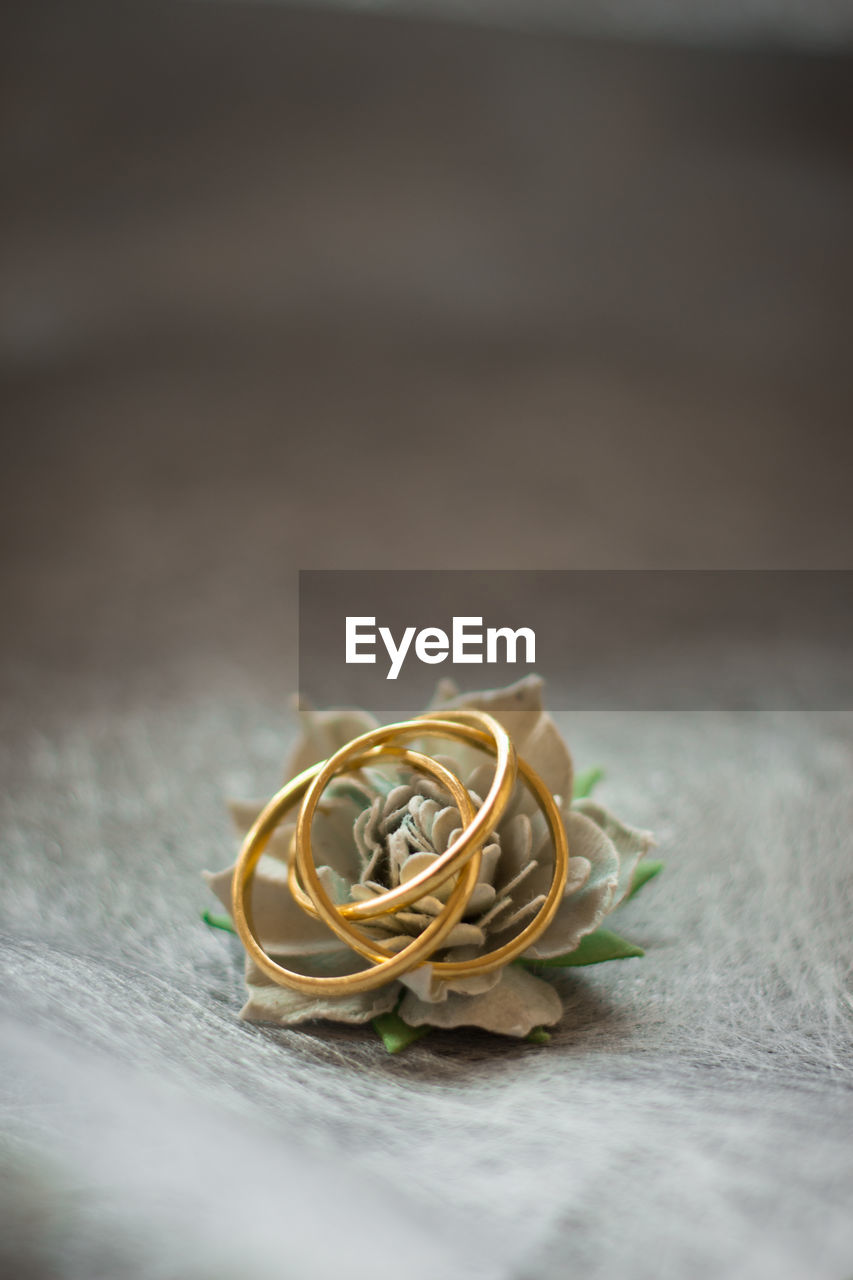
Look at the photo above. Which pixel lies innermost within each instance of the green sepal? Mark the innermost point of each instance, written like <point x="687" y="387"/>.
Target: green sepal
<point x="586" y="782"/>
<point x="347" y="790"/>
<point x="538" y="1036"/>
<point x="396" y="1034"/>
<point x="595" y="948"/>
<point x="645" y="872"/>
<point x="218" y="922"/>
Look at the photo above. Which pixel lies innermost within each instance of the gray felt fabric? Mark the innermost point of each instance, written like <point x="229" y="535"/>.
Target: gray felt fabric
<point x="692" y="1113"/>
<point x="206" y="377"/>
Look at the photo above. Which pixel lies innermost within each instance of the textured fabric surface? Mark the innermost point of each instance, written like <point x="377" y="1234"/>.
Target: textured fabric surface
<point x="604" y="298"/>
<point x="692" y="1112"/>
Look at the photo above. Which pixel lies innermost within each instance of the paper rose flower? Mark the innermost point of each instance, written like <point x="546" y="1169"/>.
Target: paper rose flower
<point x="379" y="827"/>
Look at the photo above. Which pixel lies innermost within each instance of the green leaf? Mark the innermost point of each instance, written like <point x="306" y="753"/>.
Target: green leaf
<point x="348" y="791"/>
<point x="645" y="872"/>
<point x="396" y="1034"/>
<point x="538" y="1036"/>
<point x="595" y="948"/>
<point x="218" y="922"/>
<point x="586" y="782"/>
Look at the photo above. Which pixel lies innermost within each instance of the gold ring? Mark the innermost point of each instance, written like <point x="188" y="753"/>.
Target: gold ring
<point x="473" y="726"/>
<point x="387" y="969"/>
<point x="320" y="905"/>
<point x="464" y="855"/>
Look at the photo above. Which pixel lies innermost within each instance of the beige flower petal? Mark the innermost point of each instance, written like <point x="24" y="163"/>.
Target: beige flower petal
<point x="543" y="853"/>
<point x="362" y="892"/>
<point x="546" y="752"/>
<point x="427" y="986"/>
<point x="395" y="805"/>
<point x="332" y="839"/>
<point x="430" y="990"/>
<point x="270" y="1003"/>
<point x="398" y="851"/>
<point x="480" y="778"/>
<point x="278" y="845"/>
<point x="518" y="707"/>
<point x="494" y="913"/>
<point x="581" y="910"/>
<point x="397" y="942"/>
<point x="516" y="846"/>
<point x="522" y="701"/>
<point x="323" y="732"/>
<point x="331" y="848"/>
<point x="367" y="843"/>
<point x="282" y="927"/>
<point x="332" y="836"/>
<point x="412" y="921"/>
<point x="461" y="935"/>
<point x="457" y="756"/>
<point x="445" y="824"/>
<point x="416" y="863"/>
<point x="482" y="897"/>
<point x="489" y="865"/>
<point x="580" y="869"/>
<point x="244" y="812"/>
<point x="424" y="810"/>
<point x="483" y="894"/>
<point x="513" y="1007"/>
<point x="631" y="843"/>
<point x="519" y="915"/>
<point x="430" y="905"/>
<point x="465" y="935"/>
<point x="423" y="982"/>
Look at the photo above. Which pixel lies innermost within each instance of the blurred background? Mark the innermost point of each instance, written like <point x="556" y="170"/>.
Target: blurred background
<point x="479" y="285"/>
<point x="793" y="22"/>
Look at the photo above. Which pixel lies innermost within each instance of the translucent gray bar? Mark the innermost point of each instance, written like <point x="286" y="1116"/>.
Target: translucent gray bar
<point x="604" y="639"/>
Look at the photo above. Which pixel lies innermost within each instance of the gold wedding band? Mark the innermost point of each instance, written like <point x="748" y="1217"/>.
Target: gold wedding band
<point x="454" y="725"/>
<point x="462" y="860"/>
<point x="387" y="969"/>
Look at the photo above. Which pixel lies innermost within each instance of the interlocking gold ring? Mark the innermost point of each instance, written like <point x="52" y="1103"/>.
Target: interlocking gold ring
<point x="387" y="969"/>
<point x="482" y="730"/>
<point x="465" y="854"/>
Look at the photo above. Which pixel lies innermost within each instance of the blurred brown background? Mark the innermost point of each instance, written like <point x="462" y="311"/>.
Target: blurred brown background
<point x="286" y="288"/>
